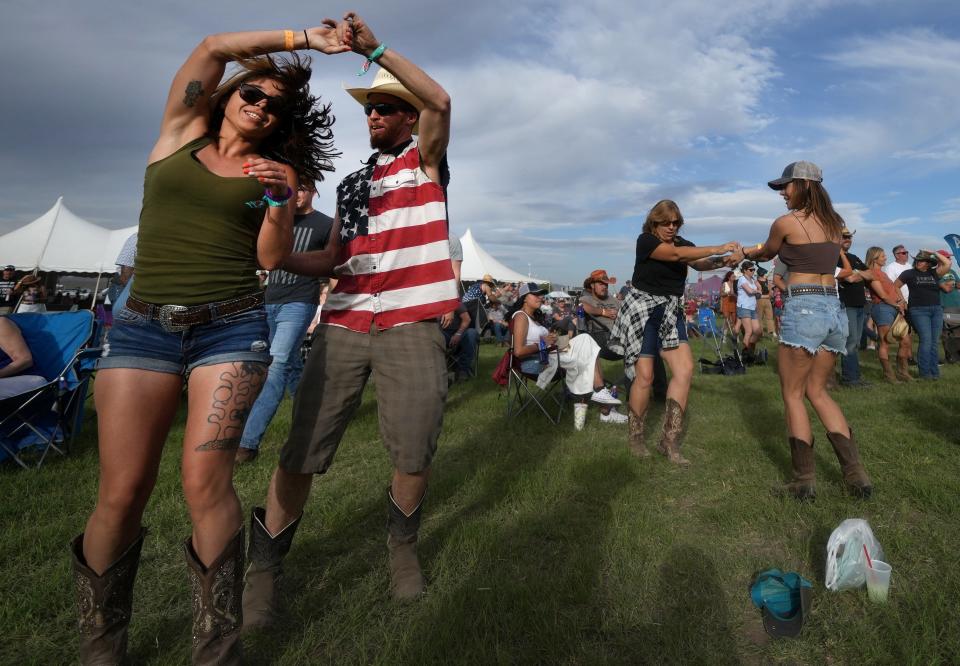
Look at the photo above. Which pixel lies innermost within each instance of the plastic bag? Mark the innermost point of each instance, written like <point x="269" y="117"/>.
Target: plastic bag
<point x="846" y="562"/>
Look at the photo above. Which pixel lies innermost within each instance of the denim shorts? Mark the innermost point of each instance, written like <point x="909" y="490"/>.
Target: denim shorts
<point x="141" y="343"/>
<point x="745" y="313"/>
<point x="883" y="314"/>
<point x="814" y="322"/>
<point x="650" y="346"/>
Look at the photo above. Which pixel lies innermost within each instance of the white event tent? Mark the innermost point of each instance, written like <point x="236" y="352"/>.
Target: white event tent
<point x="59" y="241"/>
<point x="477" y="262"/>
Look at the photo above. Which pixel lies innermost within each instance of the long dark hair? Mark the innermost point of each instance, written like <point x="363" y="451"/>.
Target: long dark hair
<point x="813" y="199"/>
<point x="304" y="136"/>
<point x="538" y="315"/>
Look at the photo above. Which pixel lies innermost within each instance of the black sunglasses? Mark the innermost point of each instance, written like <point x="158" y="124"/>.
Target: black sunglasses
<point x="253" y="95"/>
<point x="902" y="252"/>
<point x="382" y="108"/>
<point x="672" y="223"/>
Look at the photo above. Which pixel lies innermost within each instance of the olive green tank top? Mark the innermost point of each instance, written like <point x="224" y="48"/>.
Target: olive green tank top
<point x="198" y="232"/>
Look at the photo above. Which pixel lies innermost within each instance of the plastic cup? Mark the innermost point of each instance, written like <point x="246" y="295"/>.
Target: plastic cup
<point x="878" y="581"/>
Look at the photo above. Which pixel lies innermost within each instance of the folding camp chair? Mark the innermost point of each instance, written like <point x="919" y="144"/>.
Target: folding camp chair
<point x="523" y="392"/>
<point x="49" y="416"/>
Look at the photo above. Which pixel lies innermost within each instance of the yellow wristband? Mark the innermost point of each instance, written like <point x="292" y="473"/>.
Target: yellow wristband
<point x="288" y="40"/>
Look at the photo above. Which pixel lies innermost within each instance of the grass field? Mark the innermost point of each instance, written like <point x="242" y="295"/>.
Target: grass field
<point x="543" y="545"/>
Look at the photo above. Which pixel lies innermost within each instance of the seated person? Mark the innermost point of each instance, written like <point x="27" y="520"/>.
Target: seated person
<point x="562" y="320"/>
<point x="496" y="316"/>
<point x="462" y="339"/>
<point x="16" y="362"/>
<point x="596" y="299"/>
<point x="579" y="359"/>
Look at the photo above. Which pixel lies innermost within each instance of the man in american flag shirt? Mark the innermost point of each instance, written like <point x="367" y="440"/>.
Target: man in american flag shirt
<point x="389" y="250"/>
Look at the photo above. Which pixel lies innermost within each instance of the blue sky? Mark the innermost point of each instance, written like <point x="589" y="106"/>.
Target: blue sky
<point x="570" y="119"/>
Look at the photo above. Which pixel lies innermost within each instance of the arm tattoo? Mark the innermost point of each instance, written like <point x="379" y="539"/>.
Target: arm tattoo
<point x="232" y="401"/>
<point x="192" y="93"/>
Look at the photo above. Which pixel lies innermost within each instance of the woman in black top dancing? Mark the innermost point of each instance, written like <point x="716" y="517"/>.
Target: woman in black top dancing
<point x="651" y="323"/>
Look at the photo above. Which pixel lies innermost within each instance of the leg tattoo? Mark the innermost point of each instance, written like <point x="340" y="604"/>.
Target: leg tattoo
<point x="232" y="401"/>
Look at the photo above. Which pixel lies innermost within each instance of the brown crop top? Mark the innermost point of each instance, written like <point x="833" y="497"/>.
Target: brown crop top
<point x="818" y="258"/>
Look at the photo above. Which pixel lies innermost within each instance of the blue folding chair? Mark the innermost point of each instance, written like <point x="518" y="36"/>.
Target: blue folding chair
<point x="49" y="416"/>
<point x="707" y="321"/>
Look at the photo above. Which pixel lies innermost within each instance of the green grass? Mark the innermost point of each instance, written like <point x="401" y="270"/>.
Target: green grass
<point x="546" y="545"/>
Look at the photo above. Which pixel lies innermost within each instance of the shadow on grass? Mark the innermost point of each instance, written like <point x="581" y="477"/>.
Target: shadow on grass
<point x="939" y="416"/>
<point x="531" y="590"/>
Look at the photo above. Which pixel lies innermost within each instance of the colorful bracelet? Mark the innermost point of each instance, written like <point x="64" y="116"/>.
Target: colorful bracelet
<point x="278" y="202"/>
<point x="372" y="58"/>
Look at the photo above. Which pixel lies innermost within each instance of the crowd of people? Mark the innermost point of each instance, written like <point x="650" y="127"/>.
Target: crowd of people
<point x="228" y="191"/>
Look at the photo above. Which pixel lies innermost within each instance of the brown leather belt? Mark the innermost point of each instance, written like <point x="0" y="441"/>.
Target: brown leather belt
<point x="177" y="318"/>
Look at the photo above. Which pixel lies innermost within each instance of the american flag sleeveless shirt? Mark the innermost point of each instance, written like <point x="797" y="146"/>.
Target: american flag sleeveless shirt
<point x="394" y="264"/>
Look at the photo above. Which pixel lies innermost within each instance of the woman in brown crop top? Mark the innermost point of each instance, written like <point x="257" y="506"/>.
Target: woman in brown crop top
<point x="218" y="181"/>
<point x="814" y="324"/>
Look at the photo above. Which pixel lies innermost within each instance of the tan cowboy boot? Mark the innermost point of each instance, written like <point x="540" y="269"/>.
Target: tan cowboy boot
<point x="854" y="475"/>
<point x="406" y="579"/>
<point x="105" y="603"/>
<point x="803" y="485"/>
<point x="217" y="612"/>
<point x="637" y="424"/>
<point x="888" y="374"/>
<point x="672" y="435"/>
<point x="261" y="592"/>
<point x="903" y="369"/>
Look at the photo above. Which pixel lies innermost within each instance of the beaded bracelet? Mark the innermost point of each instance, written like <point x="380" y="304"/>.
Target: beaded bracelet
<point x="279" y="201"/>
<point x="372" y="58"/>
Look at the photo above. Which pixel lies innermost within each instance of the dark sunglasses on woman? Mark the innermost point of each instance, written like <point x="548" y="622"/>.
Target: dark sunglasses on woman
<point x="253" y="95"/>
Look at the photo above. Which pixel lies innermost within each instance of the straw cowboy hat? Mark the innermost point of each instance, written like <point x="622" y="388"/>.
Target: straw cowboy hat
<point x="386" y="83"/>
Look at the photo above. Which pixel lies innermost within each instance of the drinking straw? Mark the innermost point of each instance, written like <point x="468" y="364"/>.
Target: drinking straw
<point x="869" y="562"/>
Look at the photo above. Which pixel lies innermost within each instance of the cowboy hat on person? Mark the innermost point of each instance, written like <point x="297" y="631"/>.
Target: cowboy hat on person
<point x="386" y="83"/>
<point x="598" y="275"/>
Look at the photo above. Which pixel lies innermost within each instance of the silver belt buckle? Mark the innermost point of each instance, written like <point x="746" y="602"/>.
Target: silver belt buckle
<point x="165" y="314"/>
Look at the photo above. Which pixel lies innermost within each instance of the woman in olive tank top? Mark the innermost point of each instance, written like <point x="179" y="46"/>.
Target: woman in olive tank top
<point x="814" y="325"/>
<point x="214" y="211"/>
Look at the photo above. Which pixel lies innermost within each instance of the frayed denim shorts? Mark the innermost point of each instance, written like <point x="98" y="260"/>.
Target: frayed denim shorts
<point x="137" y="342"/>
<point x="814" y="322"/>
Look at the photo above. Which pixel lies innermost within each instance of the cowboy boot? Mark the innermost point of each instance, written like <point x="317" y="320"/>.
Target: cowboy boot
<point x="637" y="424"/>
<point x="903" y="369"/>
<point x="803" y="485"/>
<point x="104" y="603"/>
<point x="406" y="579"/>
<point x="217" y="612"/>
<point x="854" y="475"/>
<point x="672" y="435"/>
<point x="261" y="592"/>
<point x="888" y="374"/>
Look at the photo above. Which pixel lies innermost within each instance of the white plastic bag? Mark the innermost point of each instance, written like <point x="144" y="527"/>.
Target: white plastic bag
<point x="846" y="563"/>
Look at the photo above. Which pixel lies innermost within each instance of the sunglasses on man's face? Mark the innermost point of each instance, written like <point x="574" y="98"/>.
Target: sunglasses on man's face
<point x="253" y="95"/>
<point x="901" y="252"/>
<point x="382" y="108"/>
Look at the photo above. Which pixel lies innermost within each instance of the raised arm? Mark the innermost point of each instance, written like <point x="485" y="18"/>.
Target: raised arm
<point x="435" y="116"/>
<point x="187" y="111"/>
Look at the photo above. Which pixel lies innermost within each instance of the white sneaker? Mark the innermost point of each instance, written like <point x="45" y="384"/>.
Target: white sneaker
<point x="579" y="415"/>
<point x="613" y="417"/>
<point x="604" y="397"/>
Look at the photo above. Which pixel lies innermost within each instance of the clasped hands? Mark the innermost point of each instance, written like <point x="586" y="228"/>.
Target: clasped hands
<point x="350" y="34"/>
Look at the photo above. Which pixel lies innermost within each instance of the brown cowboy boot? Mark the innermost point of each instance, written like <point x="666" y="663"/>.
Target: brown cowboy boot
<point x="104" y="604"/>
<point x="854" y="475"/>
<point x="903" y="369"/>
<point x="888" y="374"/>
<point x="803" y="485"/>
<point x="217" y="613"/>
<point x="261" y="592"/>
<point x="672" y="435"/>
<point x="637" y="424"/>
<point x="406" y="579"/>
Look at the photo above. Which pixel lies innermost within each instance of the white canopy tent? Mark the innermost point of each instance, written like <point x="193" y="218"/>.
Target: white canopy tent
<point x="61" y="242"/>
<point x="477" y="262"/>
